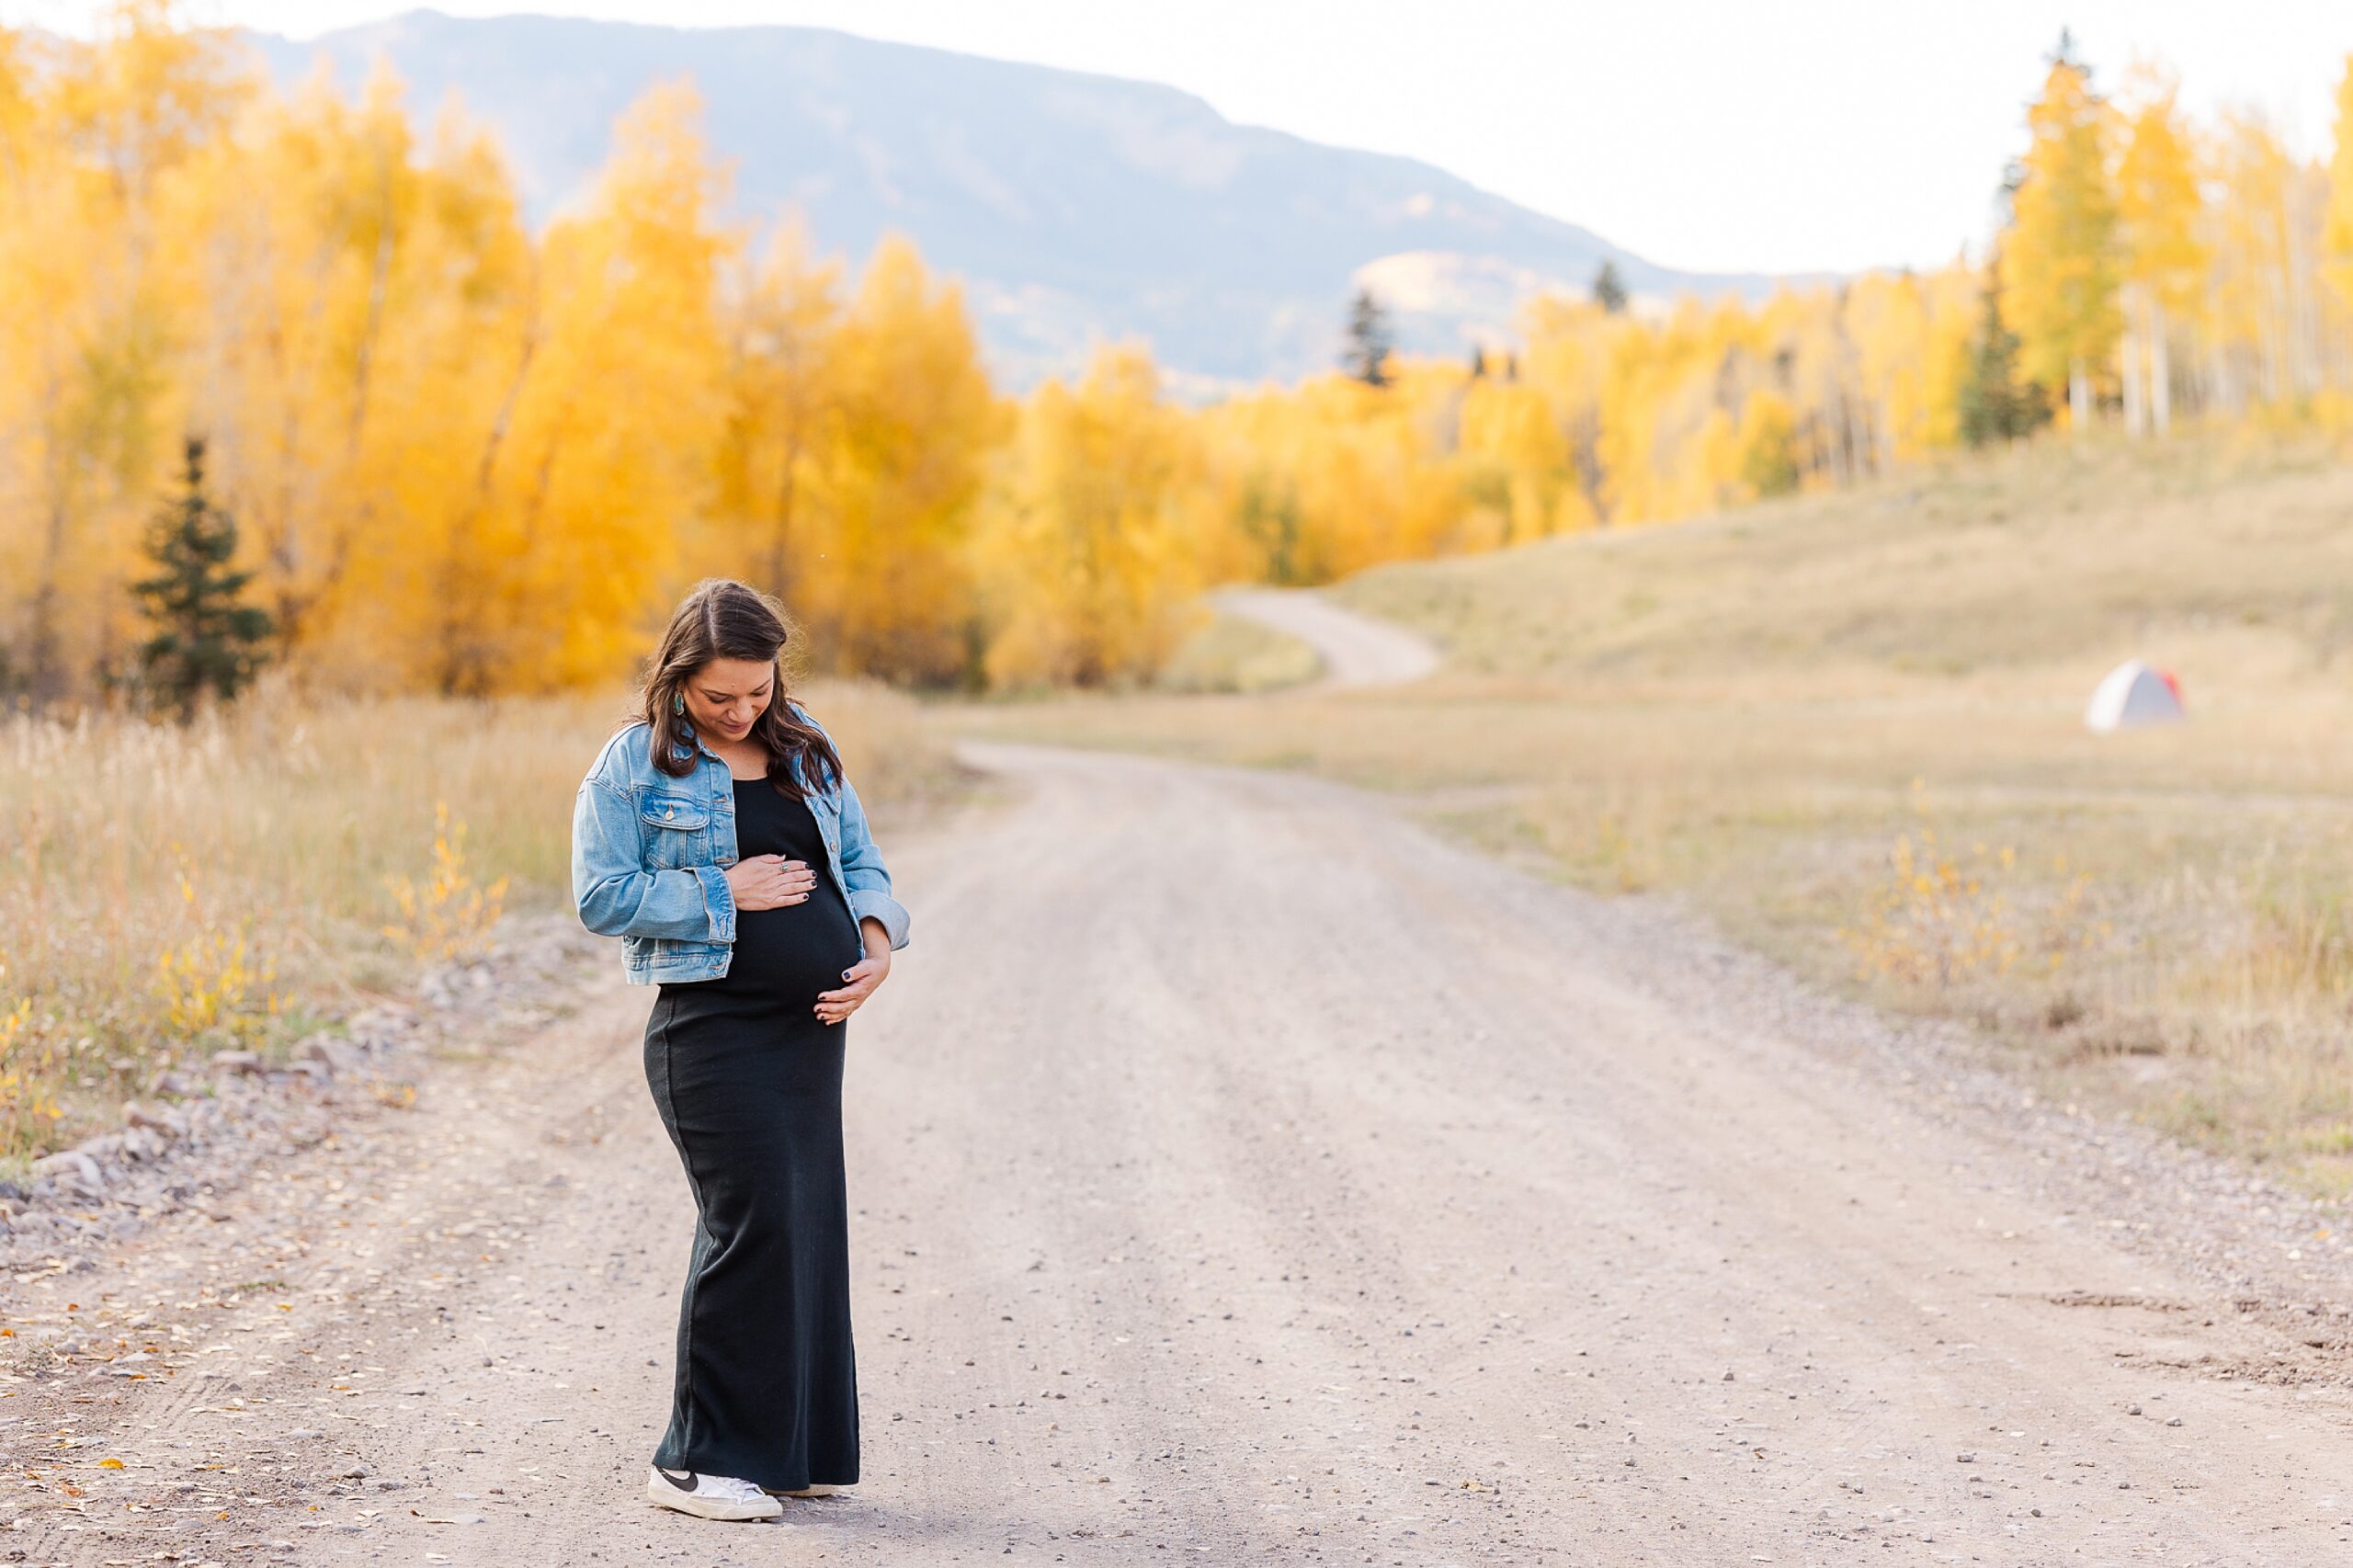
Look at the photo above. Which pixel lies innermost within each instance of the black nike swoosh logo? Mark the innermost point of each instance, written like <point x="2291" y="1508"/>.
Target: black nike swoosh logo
<point x="688" y="1484"/>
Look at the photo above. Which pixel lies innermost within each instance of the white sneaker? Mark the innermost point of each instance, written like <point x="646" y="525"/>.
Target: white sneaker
<point x="709" y="1497"/>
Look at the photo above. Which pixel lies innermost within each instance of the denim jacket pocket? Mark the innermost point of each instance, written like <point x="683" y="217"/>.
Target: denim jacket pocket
<point x="677" y="830"/>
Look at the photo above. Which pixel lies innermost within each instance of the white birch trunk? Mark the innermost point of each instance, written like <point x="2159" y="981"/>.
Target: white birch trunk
<point x="2135" y="424"/>
<point x="2160" y="371"/>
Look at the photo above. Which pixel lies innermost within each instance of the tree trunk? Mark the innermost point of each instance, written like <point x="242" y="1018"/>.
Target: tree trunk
<point x="345" y="525"/>
<point x="46" y="678"/>
<point x="2079" y="397"/>
<point x="379" y="281"/>
<point x="459" y="570"/>
<point x="2160" y="371"/>
<point x="46" y="674"/>
<point x="2135" y="419"/>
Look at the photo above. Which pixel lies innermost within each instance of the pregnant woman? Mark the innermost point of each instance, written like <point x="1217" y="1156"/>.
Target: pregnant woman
<point x="698" y="839"/>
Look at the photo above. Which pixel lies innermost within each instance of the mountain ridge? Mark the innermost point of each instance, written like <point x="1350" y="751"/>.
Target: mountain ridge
<point x="1076" y="208"/>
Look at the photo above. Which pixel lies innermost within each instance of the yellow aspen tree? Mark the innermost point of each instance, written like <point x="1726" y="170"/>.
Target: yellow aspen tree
<point x="1348" y="489"/>
<point x="88" y="317"/>
<point x="1635" y="385"/>
<point x="419" y="603"/>
<point x="1251" y="447"/>
<point x="1307" y="500"/>
<point x="2160" y="213"/>
<point x="1910" y="333"/>
<point x="1508" y="430"/>
<point x="1694" y="421"/>
<point x="1886" y="316"/>
<point x="1369" y="477"/>
<point x="1088" y="578"/>
<point x="1840" y="437"/>
<point x="2266" y="236"/>
<point x="784" y="321"/>
<point x="1728" y="377"/>
<point x="609" y="462"/>
<point x="469" y="459"/>
<point x="1422" y="435"/>
<point x="884" y="566"/>
<point x="1564" y="353"/>
<point x="298" y="235"/>
<point x="1956" y="294"/>
<point x="2059" y="261"/>
<point x="1241" y="522"/>
<point x="2336" y="235"/>
<point x="1767" y="440"/>
<point x="28" y="190"/>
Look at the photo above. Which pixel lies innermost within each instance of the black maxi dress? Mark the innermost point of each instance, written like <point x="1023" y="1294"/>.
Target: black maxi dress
<point x="748" y="1081"/>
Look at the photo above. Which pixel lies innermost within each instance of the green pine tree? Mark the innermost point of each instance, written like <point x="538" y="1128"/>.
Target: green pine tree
<point x="205" y="640"/>
<point x="1995" y="405"/>
<point x="1368" y="341"/>
<point x="1608" y="288"/>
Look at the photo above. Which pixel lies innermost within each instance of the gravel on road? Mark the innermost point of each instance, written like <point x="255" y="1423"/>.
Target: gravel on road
<point x="1240" y="1172"/>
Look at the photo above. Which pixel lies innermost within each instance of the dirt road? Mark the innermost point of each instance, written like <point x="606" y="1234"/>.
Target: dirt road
<point x="1241" y="1175"/>
<point x="1356" y="650"/>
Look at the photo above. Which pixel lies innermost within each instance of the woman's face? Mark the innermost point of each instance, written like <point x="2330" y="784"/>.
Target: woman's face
<point x="726" y="695"/>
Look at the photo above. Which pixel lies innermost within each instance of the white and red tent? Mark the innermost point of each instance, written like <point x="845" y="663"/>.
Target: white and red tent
<point x="2135" y="694"/>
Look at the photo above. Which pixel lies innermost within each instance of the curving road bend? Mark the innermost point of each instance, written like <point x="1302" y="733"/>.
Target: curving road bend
<point x="1240" y="1174"/>
<point x="1356" y="650"/>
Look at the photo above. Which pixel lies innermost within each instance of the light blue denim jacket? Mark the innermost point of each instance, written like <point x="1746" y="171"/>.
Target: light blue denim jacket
<point x="650" y="854"/>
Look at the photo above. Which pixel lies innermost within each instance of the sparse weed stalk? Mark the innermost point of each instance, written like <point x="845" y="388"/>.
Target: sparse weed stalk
<point x="1614" y="843"/>
<point x="2300" y="945"/>
<point x="231" y="874"/>
<point x="448" y="915"/>
<point x="1620" y="853"/>
<point x="25" y="1109"/>
<point x="1943" y="918"/>
<point x="213" y="983"/>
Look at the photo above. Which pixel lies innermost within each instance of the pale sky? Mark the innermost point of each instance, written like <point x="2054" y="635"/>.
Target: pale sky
<point x="1794" y="136"/>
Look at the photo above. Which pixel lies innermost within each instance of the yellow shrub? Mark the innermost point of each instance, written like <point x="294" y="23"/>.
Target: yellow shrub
<point x="448" y="915"/>
<point x="211" y="980"/>
<point x="210" y="983"/>
<point x="24" y="1108"/>
<point x="1941" y="918"/>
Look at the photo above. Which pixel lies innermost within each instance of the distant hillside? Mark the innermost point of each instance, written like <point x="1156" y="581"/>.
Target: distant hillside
<point x="1077" y="207"/>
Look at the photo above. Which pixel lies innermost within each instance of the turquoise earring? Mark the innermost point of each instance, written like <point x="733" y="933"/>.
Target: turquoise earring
<point x="677" y="702"/>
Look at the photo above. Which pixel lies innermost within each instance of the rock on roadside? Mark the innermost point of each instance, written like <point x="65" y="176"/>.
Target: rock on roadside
<point x="198" y="1132"/>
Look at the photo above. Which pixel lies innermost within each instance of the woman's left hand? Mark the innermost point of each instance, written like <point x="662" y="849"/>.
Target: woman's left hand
<point x="859" y="982"/>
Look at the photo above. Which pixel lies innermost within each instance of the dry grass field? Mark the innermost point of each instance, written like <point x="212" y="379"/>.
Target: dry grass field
<point x="1227" y="654"/>
<point x="1850" y="728"/>
<point x="164" y="893"/>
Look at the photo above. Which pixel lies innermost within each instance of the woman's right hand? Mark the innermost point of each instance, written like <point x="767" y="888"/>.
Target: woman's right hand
<point x="769" y="882"/>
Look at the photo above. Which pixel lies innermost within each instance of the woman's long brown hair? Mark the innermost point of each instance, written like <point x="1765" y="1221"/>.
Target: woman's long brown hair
<point x="726" y="620"/>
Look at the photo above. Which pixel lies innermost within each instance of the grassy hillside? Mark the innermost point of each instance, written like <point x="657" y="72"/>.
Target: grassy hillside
<point x="1850" y="728"/>
<point x="2054" y="560"/>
